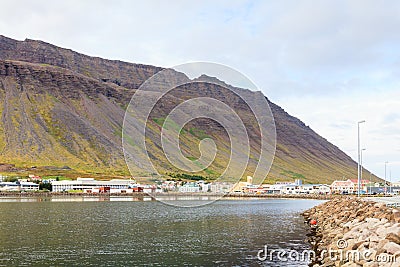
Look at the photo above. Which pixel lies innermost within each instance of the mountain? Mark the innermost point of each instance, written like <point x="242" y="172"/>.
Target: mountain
<point x="62" y="112"/>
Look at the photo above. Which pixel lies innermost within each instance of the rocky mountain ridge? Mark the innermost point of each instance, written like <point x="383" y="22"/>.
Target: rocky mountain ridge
<point x="61" y="108"/>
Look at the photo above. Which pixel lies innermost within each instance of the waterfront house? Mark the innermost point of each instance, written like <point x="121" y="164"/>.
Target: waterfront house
<point x="363" y="183"/>
<point x="275" y="188"/>
<point x="18" y="186"/>
<point x="319" y="189"/>
<point x="91" y="185"/>
<point x="168" y="186"/>
<point x="285" y="187"/>
<point x="204" y="187"/>
<point x="290" y="189"/>
<point x="396" y="184"/>
<point x="221" y="187"/>
<point x="151" y="189"/>
<point x="242" y="187"/>
<point x="189" y="187"/>
<point x="296" y="187"/>
<point x="343" y="187"/>
<point x="322" y="189"/>
<point x="33" y="177"/>
<point x="257" y="189"/>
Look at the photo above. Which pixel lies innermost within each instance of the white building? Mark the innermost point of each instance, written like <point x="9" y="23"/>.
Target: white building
<point x="276" y="188"/>
<point x="189" y="188"/>
<point x="291" y="189"/>
<point x="204" y="187"/>
<point x="29" y="186"/>
<point x="221" y="187"/>
<point x="86" y="184"/>
<point x="168" y="186"/>
<point x="241" y="187"/>
<point x="343" y="187"/>
<point x="151" y="189"/>
<point x="306" y="189"/>
<point x="322" y="189"/>
<point x="396" y="184"/>
<point x="18" y="186"/>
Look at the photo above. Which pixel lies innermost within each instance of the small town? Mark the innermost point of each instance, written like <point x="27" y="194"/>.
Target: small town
<point x="123" y="186"/>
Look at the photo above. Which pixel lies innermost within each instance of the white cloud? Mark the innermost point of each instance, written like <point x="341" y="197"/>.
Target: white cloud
<point x="336" y="119"/>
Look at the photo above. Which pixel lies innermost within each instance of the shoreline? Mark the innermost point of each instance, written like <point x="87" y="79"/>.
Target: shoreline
<point x="174" y="194"/>
<point x="357" y="232"/>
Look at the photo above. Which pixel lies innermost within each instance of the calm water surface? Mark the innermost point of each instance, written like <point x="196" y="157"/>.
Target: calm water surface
<point x="148" y="233"/>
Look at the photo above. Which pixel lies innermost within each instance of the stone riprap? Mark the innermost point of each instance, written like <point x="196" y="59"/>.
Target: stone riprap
<point x="354" y="232"/>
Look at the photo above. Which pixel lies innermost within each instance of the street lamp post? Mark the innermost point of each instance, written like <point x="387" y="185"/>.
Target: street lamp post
<point x="361" y="165"/>
<point x="359" y="157"/>
<point x="390" y="179"/>
<point x="386" y="162"/>
<point x="370" y="183"/>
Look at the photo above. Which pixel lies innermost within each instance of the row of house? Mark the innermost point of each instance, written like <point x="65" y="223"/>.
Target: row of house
<point x="296" y="187"/>
<point x="90" y="185"/>
<point x="248" y="187"/>
<point x="350" y="186"/>
<point x="18" y="186"/>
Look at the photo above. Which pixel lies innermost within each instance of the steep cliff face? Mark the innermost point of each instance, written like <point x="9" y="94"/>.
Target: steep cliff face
<point x="52" y="116"/>
<point x="121" y="73"/>
<point x="59" y="107"/>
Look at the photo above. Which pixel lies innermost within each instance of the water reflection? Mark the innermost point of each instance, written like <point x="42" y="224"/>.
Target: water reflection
<point x="75" y="199"/>
<point x="130" y="232"/>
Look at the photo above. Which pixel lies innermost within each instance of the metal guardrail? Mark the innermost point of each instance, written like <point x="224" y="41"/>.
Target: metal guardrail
<point x="392" y="202"/>
<point x="393" y="205"/>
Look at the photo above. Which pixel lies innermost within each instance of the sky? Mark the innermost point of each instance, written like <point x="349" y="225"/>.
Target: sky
<point x="329" y="63"/>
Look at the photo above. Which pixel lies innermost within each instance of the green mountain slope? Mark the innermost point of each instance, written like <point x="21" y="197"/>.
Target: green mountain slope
<point x="61" y="108"/>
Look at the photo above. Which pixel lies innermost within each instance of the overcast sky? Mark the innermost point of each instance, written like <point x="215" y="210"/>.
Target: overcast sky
<point x="329" y="63"/>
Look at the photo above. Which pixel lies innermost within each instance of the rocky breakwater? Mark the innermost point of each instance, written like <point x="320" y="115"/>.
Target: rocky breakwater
<point x="354" y="232"/>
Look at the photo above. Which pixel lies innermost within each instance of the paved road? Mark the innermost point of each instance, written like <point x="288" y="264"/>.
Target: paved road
<point x="389" y="201"/>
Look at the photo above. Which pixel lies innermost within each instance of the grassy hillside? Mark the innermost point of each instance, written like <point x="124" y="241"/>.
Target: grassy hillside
<point x="61" y="108"/>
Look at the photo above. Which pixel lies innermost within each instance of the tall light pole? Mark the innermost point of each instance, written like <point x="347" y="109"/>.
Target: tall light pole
<point x="386" y="162"/>
<point x="359" y="157"/>
<point x="390" y="184"/>
<point x="370" y="183"/>
<point x="361" y="164"/>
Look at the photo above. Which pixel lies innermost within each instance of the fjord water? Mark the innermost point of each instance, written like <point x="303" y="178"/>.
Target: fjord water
<point x="149" y="233"/>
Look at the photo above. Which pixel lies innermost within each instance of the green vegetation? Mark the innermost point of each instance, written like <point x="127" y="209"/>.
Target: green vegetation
<point x="168" y="124"/>
<point x="159" y="121"/>
<point x="11" y="179"/>
<point x="201" y="134"/>
<point x="75" y="191"/>
<point x="185" y="176"/>
<point x="118" y="132"/>
<point x="45" y="186"/>
<point x="293" y="174"/>
<point x="208" y="171"/>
